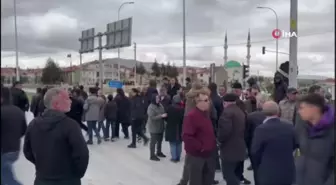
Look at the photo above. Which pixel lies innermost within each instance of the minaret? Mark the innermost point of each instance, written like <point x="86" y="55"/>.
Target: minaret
<point x="248" y="56"/>
<point x="225" y="48"/>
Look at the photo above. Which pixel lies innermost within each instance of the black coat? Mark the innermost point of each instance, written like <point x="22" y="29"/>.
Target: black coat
<point x="272" y="149"/>
<point x="124" y="109"/>
<point x="76" y="110"/>
<point x="172" y="90"/>
<point x="217" y="103"/>
<point x="110" y="111"/>
<point x="174" y="123"/>
<point x="55" y="145"/>
<point x="13" y="127"/>
<point x="165" y="101"/>
<point x="231" y="131"/>
<point x="137" y="107"/>
<point x="34" y="104"/>
<point x="40" y="106"/>
<point x="253" y="120"/>
<point x="20" y="99"/>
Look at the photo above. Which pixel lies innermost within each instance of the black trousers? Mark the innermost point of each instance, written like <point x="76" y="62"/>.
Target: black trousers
<point x="124" y="127"/>
<point x="83" y="126"/>
<point x="136" y="127"/>
<point x="218" y="166"/>
<point x="201" y="170"/>
<point x="240" y="170"/>
<point x="186" y="172"/>
<point x="229" y="174"/>
<point x="155" y="141"/>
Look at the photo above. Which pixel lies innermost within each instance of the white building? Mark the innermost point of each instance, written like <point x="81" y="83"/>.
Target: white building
<point x="329" y="86"/>
<point x="91" y="72"/>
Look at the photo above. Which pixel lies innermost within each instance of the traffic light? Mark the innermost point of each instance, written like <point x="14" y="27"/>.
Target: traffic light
<point x="263" y="50"/>
<point x="246" y="71"/>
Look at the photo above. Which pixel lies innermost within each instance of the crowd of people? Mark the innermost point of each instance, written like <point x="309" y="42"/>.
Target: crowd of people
<point x="288" y="141"/>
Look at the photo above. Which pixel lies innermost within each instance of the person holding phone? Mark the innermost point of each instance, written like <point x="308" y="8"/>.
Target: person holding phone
<point x="156" y="126"/>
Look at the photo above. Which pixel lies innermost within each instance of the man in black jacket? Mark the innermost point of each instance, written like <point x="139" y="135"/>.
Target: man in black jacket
<point x="54" y="143"/>
<point x="254" y="119"/>
<point x="19" y="97"/>
<point x="35" y="100"/>
<point x="237" y="89"/>
<point x="13" y="127"/>
<point x="137" y="116"/>
<point x="76" y="110"/>
<point x="231" y="129"/>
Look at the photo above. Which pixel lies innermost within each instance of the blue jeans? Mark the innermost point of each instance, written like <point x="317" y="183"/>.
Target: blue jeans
<point x="176" y="150"/>
<point x="101" y="126"/>
<point x="109" y="123"/>
<point x="92" y="127"/>
<point x="7" y="175"/>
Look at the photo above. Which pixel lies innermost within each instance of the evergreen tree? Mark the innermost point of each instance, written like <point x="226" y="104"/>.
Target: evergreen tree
<point x="173" y="71"/>
<point x="141" y="70"/>
<point x="156" y="71"/>
<point x="163" y="69"/>
<point x="51" y="73"/>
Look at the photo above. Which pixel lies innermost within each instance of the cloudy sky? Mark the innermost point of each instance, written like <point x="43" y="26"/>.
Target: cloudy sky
<point x="52" y="28"/>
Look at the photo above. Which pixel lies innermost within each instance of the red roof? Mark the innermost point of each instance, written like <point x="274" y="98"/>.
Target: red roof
<point x="202" y="71"/>
<point x="7" y="71"/>
<point x="329" y="80"/>
<point x="70" y="69"/>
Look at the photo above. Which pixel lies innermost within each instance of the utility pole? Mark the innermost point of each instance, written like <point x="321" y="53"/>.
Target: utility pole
<point x="17" y="68"/>
<point x="135" y="60"/>
<point x="100" y="49"/>
<point x="184" y="45"/>
<point x="293" y="66"/>
<point x="80" y="67"/>
<point x="120" y="7"/>
<point x="70" y="61"/>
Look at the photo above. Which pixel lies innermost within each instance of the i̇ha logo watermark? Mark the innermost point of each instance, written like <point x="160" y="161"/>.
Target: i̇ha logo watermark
<point x="277" y="34"/>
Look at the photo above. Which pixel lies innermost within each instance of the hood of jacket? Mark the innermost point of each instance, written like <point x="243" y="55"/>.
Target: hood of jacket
<point x="92" y="99"/>
<point x="327" y="119"/>
<point x="49" y="119"/>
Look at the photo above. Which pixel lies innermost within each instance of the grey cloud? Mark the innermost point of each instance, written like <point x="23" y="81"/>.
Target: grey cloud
<point x="160" y="22"/>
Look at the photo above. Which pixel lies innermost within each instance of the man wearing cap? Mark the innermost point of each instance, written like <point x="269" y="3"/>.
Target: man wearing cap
<point x="237" y="89"/>
<point x="230" y="135"/>
<point x="287" y="105"/>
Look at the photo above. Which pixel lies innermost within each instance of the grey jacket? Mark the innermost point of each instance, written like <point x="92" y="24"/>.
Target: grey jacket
<point x="92" y="108"/>
<point x="155" y="123"/>
<point x="102" y="111"/>
<point x="315" y="165"/>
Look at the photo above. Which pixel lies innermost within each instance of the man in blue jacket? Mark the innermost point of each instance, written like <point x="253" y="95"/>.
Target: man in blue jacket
<point x="272" y="149"/>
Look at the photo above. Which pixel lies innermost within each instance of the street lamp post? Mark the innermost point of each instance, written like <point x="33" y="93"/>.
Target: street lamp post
<point x="125" y="3"/>
<point x="16" y="45"/>
<point x="184" y="45"/>
<point x="277" y="40"/>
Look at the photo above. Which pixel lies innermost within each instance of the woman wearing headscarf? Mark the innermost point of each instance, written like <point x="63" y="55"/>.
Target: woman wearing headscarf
<point x="156" y="115"/>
